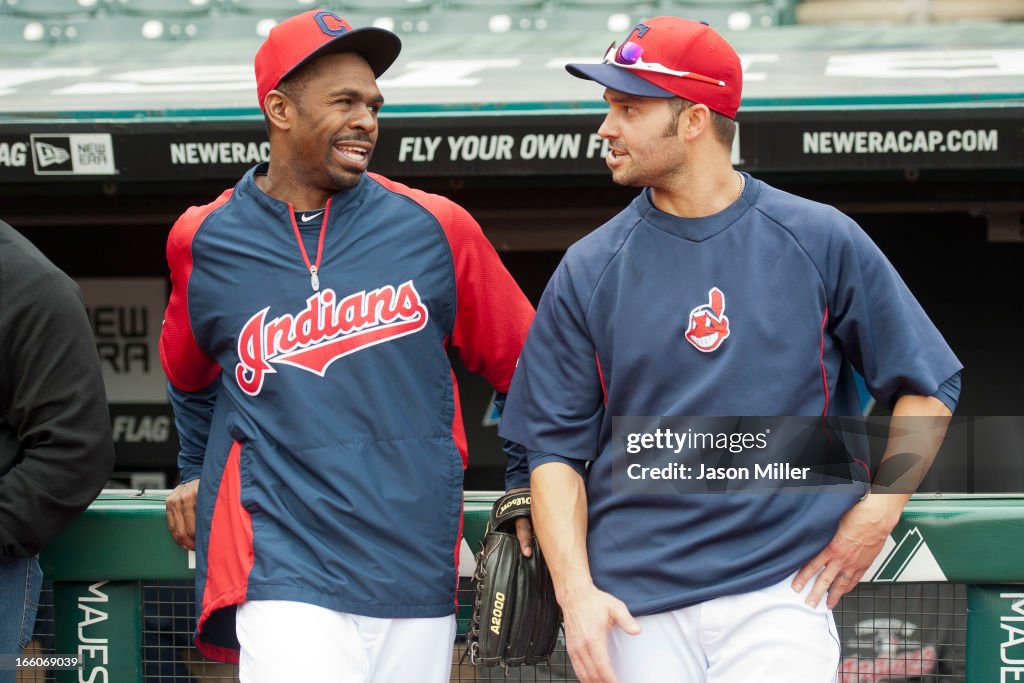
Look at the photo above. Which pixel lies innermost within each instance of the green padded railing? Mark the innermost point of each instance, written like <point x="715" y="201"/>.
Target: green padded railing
<point x="99" y="562"/>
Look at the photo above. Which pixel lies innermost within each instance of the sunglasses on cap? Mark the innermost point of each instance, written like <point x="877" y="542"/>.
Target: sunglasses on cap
<point x="628" y="56"/>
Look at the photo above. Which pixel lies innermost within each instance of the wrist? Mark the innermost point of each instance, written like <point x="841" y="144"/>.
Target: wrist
<point x="885" y="508"/>
<point x="568" y="592"/>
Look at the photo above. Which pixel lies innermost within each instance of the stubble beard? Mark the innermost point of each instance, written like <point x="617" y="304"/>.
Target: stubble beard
<point x="671" y="172"/>
<point x="651" y="176"/>
<point x="344" y="180"/>
<point x="626" y="178"/>
<point x="340" y="178"/>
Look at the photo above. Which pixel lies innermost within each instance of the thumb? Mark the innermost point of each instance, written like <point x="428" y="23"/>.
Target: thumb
<point x="625" y="620"/>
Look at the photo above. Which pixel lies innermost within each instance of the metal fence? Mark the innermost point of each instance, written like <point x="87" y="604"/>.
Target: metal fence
<point x="893" y="633"/>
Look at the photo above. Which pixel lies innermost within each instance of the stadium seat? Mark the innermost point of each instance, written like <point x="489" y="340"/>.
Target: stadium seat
<point x="498" y="20"/>
<point x="96" y="32"/>
<point x="233" y="27"/>
<point x="276" y="8"/>
<point x="611" y="20"/>
<point x="976" y="10"/>
<point x="110" y="30"/>
<point x="722" y="4"/>
<point x="650" y="6"/>
<point x="18" y="34"/>
<point x="405" y="24"/>
<point x="856" y="11"/>
<point x="52" y="9"/>
<point x="496" y="6"/>
<point x="877" y="12"/>
<point x="410" y="7"/>
<point x="168" y="8"/>
<point x="734" y="15"/>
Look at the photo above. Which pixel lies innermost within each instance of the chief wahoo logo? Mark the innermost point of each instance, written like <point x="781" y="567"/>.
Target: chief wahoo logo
<point x="708" y="326"/>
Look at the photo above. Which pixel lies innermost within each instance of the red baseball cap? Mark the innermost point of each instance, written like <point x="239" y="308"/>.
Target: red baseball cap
<point x="304" y="37"/>
<point x="669" y="57"/>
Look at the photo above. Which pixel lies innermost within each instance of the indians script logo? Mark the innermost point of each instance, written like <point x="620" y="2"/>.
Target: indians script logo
<point x="326" y="330"/>
<point x="708" y="326"/>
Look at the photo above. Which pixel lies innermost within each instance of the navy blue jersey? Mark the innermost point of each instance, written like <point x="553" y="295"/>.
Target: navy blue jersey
<point x="332" y="462"/>
<point x="758" y="310"/>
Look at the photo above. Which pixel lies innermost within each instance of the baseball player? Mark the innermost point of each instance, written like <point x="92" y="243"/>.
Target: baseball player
<point x="305" y="342"/>
<point x="712" y="293"/>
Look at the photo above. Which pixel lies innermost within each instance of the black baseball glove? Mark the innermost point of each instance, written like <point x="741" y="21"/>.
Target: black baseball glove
<point x="515" y="615"/>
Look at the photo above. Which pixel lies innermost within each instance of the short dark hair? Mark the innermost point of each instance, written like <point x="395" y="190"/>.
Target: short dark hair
<point x="294" y="86"/>
<point x="723" y="126"/>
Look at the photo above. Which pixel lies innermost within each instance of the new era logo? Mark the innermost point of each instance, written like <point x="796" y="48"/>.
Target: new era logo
<point x="79" y="154"/>
<point x="48" y="155"/>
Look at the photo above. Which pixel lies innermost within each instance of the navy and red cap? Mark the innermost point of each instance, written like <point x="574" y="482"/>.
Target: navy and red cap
<point x="714" y="76"/>
<point x="304" y="37"/>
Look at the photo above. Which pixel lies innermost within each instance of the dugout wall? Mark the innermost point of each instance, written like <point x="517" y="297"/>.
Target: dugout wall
<point x="915" y="131"/>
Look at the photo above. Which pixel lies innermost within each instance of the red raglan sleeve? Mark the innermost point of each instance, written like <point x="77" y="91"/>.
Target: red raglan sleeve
<point x="186" y="365"/>
<point x="492" y="318"/>
<point x="492" y="314"/>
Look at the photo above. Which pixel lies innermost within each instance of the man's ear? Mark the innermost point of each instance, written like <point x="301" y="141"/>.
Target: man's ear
<point x="280" y="110"/>
<point x="694" y="121"/>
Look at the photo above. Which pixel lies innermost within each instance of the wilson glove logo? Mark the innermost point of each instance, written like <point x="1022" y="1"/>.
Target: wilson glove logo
<point x="513" y="502"/>
<point x="708" y="326"/>
<point x="326" y="330"/>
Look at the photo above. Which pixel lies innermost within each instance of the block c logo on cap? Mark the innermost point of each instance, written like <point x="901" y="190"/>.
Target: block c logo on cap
<point x="330" y="23"/>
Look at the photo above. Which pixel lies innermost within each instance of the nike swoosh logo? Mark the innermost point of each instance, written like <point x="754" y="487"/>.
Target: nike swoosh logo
<point x="307" y="218"/>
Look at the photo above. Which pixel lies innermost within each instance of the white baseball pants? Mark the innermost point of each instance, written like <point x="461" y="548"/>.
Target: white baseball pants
<point x="295" y="641"/>
<point x="768" y="636"/>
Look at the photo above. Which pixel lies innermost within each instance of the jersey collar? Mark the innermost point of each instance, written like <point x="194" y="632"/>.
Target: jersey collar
<point x="697" y="229"/>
